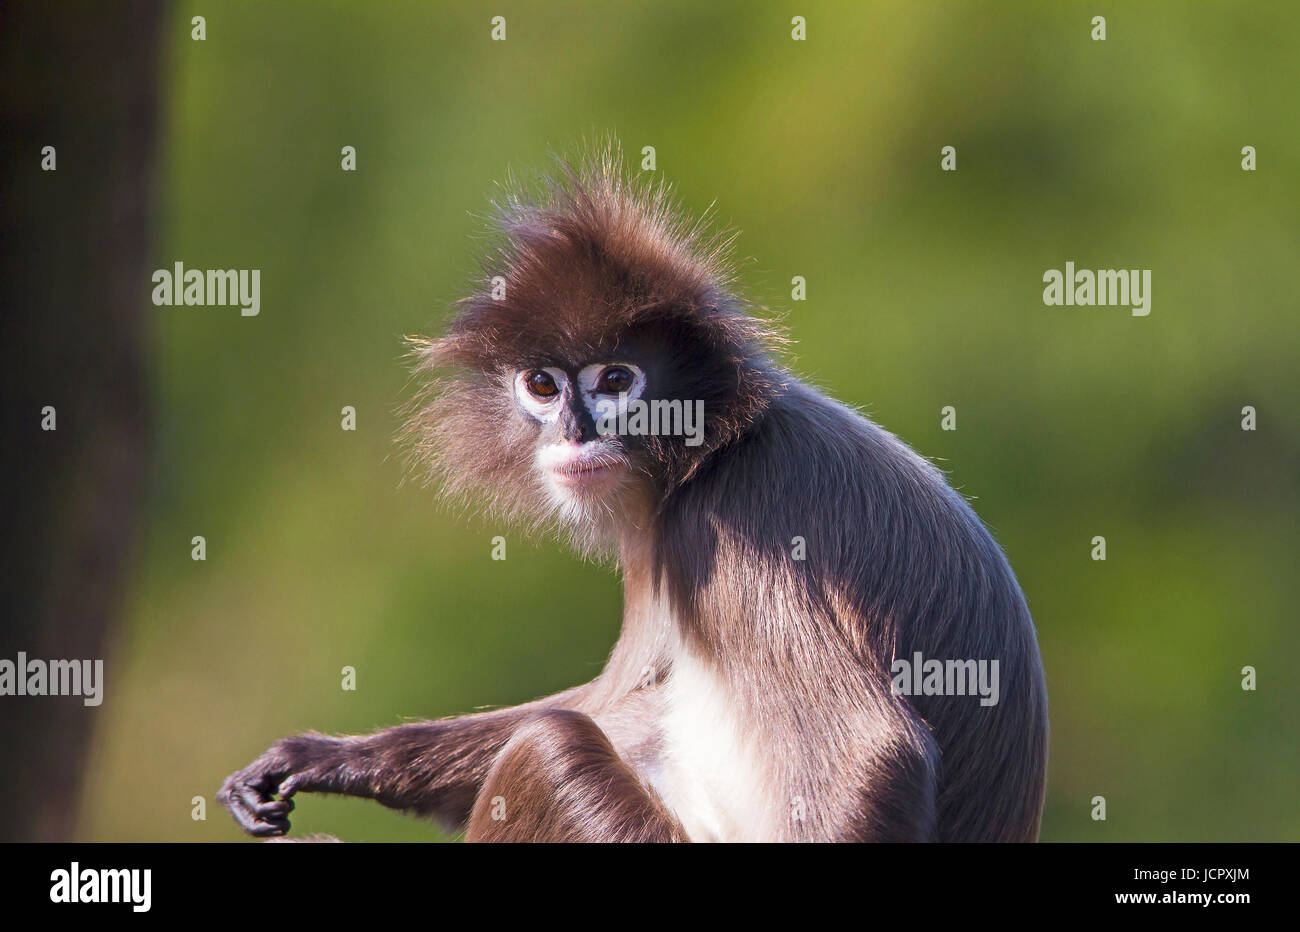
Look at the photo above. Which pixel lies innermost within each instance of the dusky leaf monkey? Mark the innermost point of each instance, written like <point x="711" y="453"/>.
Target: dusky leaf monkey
<point x="752" y="692"/>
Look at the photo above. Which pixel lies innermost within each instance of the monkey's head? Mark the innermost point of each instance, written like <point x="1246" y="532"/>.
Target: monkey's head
<point x="602" y="361"/>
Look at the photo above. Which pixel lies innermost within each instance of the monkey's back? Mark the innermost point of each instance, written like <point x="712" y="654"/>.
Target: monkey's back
<point x="894" y="563"/>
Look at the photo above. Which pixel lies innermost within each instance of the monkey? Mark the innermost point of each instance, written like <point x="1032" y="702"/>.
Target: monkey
<point x="774" y="571"/>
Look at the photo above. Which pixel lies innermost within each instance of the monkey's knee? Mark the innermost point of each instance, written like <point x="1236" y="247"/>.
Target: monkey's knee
<point x="899" y="798"/>
<point x="559" y="779"/>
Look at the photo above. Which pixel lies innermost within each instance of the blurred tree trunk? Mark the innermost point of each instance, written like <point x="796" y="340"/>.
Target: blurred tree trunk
<point x="83" y="78"/>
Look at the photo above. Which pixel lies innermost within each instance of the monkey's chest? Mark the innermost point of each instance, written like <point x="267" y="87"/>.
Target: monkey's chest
<point x="710" y="771"/>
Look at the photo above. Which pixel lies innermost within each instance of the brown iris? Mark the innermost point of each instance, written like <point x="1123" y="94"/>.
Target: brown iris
<point x="614" y="381"/>
<point x="542" y="384"/>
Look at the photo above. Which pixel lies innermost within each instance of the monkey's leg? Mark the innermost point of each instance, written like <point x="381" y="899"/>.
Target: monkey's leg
<point x="899" y="767"/>
<point x="431" y="768"/>
<point x="560" y="779"/>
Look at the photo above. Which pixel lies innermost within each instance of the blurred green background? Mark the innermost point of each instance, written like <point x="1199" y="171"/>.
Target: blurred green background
<point x="924" y="290"/>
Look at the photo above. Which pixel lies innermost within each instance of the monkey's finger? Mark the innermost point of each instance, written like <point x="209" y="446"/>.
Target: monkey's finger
<point x="244" y="817"/>
<point x="267" y="829"/>
<point x="243" y="802"/>
<point x="229" y="796"/>
<point x="253" y="820"/>
<point x="250" y="796"/>
<point x="291" y="785"/>
<point x="276" y="809"/>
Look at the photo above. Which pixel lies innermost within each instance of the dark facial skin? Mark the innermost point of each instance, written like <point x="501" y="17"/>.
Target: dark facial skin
<point x="576" y="423"/>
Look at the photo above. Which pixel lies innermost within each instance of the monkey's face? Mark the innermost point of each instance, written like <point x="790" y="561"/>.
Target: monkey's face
<point x="599" y="365"/>
<point x="580" y="458"/>
<point x="581" y="428"/>
<point x="589" y="454"/>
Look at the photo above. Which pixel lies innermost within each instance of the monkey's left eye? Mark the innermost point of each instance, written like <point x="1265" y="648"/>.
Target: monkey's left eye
<point x="603" y="382"/>
<point x="615" y="380"/>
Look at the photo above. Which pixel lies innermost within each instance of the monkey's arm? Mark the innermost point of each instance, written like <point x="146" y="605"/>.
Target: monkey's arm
<point x="431" y="768"/>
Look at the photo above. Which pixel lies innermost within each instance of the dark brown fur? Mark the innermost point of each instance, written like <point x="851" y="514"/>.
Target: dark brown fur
<point x="801" y="650"/>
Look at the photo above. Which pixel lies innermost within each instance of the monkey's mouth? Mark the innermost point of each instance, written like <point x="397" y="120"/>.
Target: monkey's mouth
<point x="585" y="476"/>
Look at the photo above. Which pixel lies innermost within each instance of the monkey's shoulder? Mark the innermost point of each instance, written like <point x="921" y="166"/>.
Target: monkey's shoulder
<point x="810" y="455"/>
<point x="815" y="479"/>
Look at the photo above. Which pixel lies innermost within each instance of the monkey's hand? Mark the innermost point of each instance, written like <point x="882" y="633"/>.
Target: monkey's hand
<point x="289" y="765"/>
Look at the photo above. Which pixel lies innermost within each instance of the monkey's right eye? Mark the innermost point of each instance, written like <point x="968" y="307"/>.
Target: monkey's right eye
<point x="538" y="392"/>
<point x="542" y="384"/>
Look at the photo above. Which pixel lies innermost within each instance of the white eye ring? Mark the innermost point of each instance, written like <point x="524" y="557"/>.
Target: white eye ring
<point x="597" y="403"/>
<point x="544" y="409"/>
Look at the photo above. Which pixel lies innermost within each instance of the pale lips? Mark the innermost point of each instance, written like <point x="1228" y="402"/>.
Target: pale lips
<point x="578" y="474"/>
<point x="581" y="467"/>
